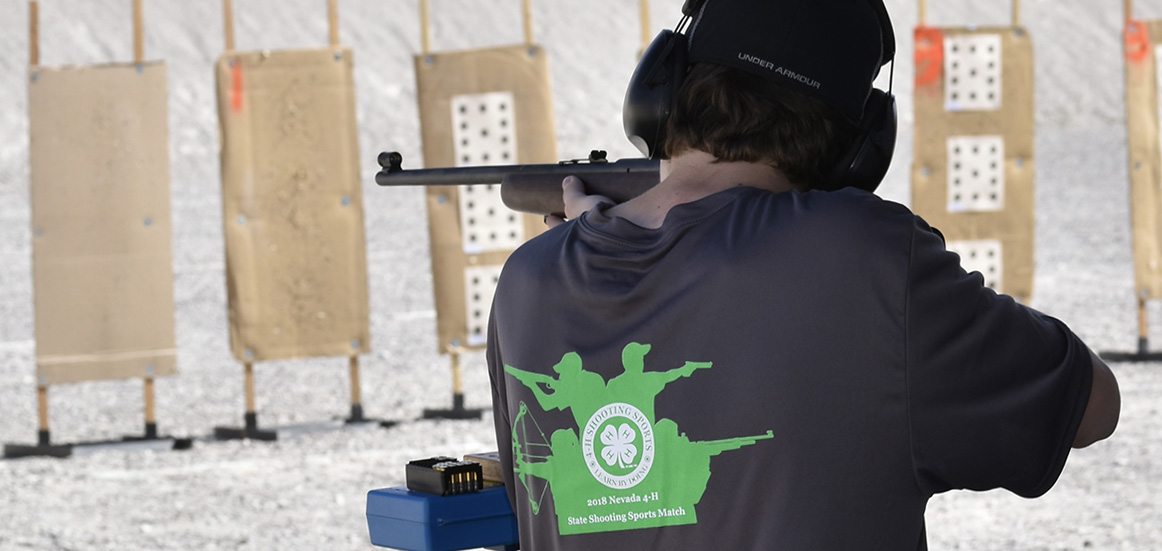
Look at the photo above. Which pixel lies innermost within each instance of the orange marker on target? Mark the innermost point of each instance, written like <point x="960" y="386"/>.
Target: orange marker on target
<point x="929" y="55"/>
<point x="1137" y="41"/>
<point x="236" y="89"/>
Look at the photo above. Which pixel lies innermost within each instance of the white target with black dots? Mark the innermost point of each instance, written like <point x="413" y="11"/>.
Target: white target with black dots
<point x="972" y="72"/>
<point x="484" y="134"/>
<point x="976" y="173"/>
<point x="982" y="256"/>
<point x="479" y="287"/>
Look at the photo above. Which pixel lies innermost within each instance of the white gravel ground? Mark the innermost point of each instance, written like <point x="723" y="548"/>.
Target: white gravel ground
<point x="307" y="491"/>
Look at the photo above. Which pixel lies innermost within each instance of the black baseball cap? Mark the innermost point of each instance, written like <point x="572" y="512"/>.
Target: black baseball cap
<point x="829" y="49"/>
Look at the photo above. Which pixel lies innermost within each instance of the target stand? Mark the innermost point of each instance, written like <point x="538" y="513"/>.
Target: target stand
<point x="478" y="107"/>
<point x="103" y="299"/>
<point x="458" y="410"/>
<point x="293" y="213"/>
<point x="1143" y="64"/>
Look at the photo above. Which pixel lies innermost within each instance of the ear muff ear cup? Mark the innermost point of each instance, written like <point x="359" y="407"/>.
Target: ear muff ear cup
<point x="867" y="160"/>
<point x="653" y="91"/>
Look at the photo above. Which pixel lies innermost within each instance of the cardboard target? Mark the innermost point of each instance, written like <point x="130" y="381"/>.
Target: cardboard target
<point x="292" y="200"/>
<point x="102" y="260"/>
<point x="973" y="170"/>
<point x="481" y="107"/>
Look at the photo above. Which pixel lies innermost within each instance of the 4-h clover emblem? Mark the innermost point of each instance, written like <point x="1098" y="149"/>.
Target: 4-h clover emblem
<point x="619" y="446"/>
<point x="624" y="433"/>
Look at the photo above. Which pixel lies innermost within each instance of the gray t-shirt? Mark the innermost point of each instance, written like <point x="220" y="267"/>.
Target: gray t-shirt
<point x="795" y="371"/>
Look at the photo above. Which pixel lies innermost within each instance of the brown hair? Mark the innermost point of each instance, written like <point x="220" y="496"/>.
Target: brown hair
<point x="737" y="116"/>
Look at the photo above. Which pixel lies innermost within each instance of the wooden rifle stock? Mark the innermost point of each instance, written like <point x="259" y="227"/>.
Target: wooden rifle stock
<point x="534" y="189"/>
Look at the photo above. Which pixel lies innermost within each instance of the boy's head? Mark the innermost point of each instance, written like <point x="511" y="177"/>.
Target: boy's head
<point x="784" y="82"/>
<point x="737" y="116"/>
<point x="827" y="49"/>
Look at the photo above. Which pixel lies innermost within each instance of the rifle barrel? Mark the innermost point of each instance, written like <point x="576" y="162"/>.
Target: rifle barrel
<point x="531" y="188"/>
<point x="393" y="175"/>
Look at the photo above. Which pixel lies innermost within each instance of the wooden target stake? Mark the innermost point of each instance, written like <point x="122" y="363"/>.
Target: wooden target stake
<point x="138" y="34"/>
<point x="150" y="415"/>
<point x="353" y="360"/>
<point x="333" y="21"/>
<point x="228" y="23"/>
<point x="425" y="28"/>
<point x="457" y="383"/>
<point x="526" y="12"/>
<point x="356" y="393"/>
<point x="1143" y="316"/>
<point x="458" y="410"/>
<point x="138" y="59"/>
<point x="1143" y="327"/>
<point x="33" y="34"/>
<point x="42" y="415"/>
<point x="43" y="437"/>
<point x="250" y="430"/>
<point x="248" y="390"/>
<point x="644" y="8"/>
<point x="357" y="397"/>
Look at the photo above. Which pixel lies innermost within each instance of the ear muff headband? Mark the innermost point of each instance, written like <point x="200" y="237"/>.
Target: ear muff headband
<point x="887" y="35"/>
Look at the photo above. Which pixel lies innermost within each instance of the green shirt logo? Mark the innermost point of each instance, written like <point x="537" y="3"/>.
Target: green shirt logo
<point x="620" y="469"/>
<point x="619" y="444"/>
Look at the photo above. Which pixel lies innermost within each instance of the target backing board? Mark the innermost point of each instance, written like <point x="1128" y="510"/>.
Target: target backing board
<point x="292" y="201"/>
<point x="102" y="259"/>
<point x="480" y="107"/>
<point x="1142" y="42"/>
<point x="973" y="170"/>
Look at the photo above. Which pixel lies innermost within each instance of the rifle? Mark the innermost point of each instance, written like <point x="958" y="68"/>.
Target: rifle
<point x="534" y="188"/>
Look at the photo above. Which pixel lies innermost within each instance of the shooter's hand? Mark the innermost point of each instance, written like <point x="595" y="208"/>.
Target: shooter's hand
<point x="576" y="200"/>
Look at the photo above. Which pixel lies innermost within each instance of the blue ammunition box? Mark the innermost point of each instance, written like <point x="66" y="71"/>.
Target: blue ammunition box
<point x="401" y="519"/>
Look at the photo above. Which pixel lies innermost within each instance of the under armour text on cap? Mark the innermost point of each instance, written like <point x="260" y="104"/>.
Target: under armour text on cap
<point x="829" y="49"/>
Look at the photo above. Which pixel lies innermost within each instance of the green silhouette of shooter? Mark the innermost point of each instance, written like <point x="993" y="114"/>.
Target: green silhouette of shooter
<point x="620" y="469"/>
<point x="585" y="392"/>
<point x="639" y="388"/>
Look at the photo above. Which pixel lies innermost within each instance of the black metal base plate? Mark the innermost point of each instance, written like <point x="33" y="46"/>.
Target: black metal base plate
<point x="367" y="421"/>
<point x="357" y="418"/>
<point x="128" y="443"/>
<point x="15" y="451"/>
<point x="241" y="433"/>
<point x="178" y="443"/>
<point x="454" y="413"/>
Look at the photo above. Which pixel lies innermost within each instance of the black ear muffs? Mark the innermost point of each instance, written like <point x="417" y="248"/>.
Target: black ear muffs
<point x="867" y="160"/>
<point x="653" y="91"/>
